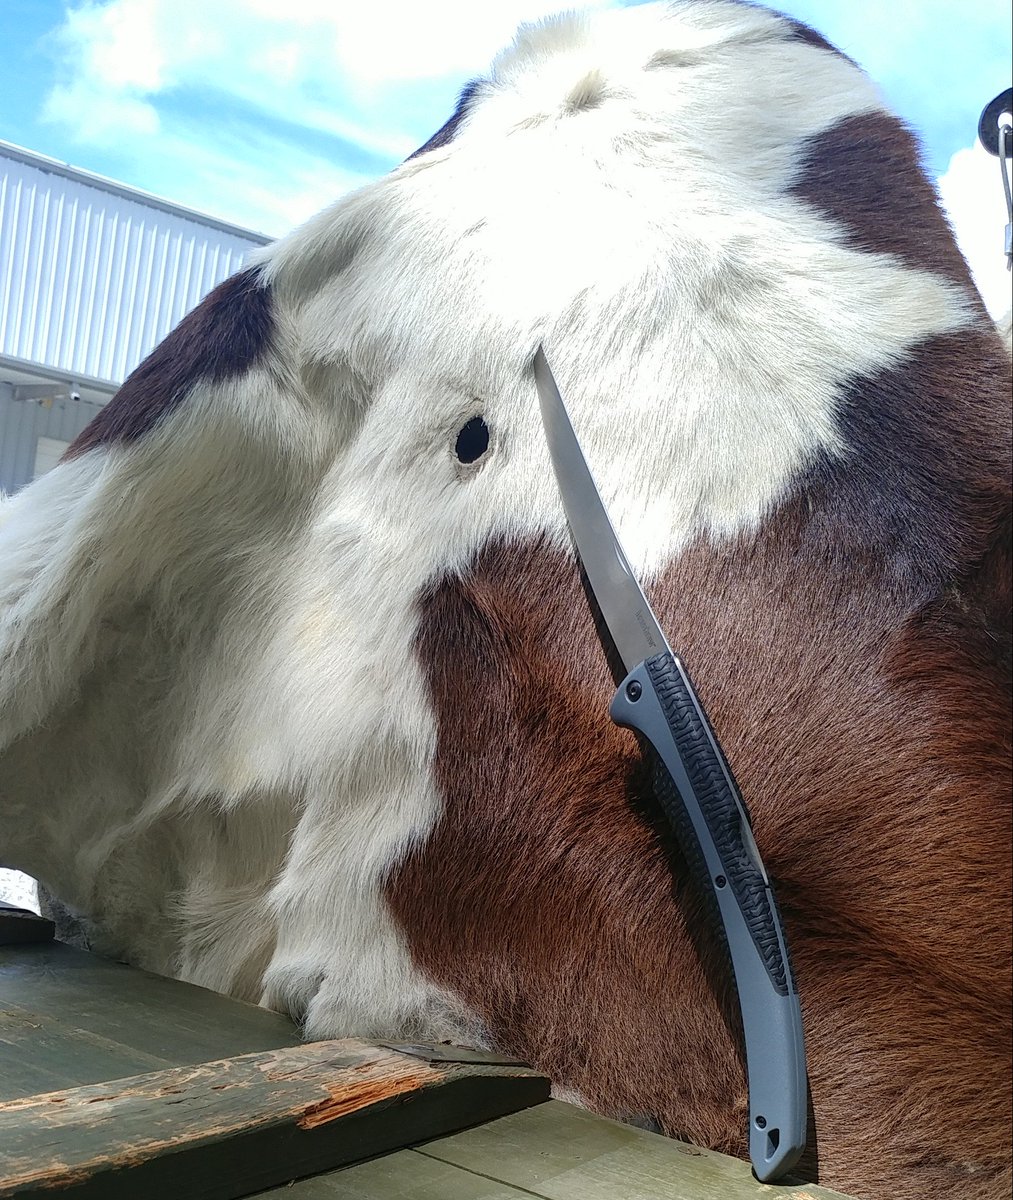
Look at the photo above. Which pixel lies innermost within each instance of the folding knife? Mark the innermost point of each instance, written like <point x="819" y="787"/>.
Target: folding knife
<point x="695" y="787"/>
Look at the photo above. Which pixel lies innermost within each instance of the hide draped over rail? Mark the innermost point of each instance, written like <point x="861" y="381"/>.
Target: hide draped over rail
<point x="300" y="695"/>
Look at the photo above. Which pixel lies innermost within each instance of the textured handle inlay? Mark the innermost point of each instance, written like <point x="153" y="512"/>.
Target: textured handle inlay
<point x="713" y="785"/>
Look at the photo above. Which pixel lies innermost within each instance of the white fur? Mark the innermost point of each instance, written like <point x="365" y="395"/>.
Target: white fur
<point x="219" y="739"/>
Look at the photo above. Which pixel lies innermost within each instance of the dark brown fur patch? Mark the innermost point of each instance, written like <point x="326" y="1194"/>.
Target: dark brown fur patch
<point x="448" y="131"/>
<point x="849" y="656"/>
<point x="920" y="490"/>
<point x="800" y="32"/>
<point x="864" y="174"/>
<point x="229" y="332"/>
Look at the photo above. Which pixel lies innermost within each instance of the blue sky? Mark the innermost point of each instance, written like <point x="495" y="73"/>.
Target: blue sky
<point x="262" y="111"/>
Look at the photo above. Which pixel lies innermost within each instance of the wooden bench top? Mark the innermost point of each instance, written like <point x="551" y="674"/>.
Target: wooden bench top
<point x="552" y="1151"/>
<point x="116" y="1083"/>
<point x="69" y="1018"/>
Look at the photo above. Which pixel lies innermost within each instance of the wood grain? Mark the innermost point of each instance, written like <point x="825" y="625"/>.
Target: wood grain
<point x="561" y="1152"/>
<point x="225" y="1129"/>
<point x="68" y="1018"/>
<point x="404" y="1175"/>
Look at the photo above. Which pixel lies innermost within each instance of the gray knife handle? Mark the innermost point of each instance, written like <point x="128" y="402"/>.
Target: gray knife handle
<point x="700" y="798"/>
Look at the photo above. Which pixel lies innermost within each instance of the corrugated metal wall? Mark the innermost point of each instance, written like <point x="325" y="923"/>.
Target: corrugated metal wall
<point x="93" y="275"/>
<point x="91" y="279"/>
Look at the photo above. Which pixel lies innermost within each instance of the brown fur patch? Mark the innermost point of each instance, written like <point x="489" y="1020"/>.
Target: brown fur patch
<point x="225" y="335"/>
<point x="864" y="174"/>
<point x="847" y="656"/>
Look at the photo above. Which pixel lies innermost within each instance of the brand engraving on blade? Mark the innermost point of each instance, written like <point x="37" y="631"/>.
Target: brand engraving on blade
<point x="645" y="629"/>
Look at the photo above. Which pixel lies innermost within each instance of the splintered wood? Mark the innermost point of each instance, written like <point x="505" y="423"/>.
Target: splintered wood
<point x="223" y="1129"/>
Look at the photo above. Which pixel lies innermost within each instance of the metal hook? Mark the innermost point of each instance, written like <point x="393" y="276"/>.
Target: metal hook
<point x="996" y="135"/>
<point x="989" y="129"/>
<point x="1005" y="138"/>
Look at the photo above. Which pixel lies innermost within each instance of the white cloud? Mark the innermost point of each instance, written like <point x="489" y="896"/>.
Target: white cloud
<point x="241" y="184"/>
<point x="971" y="192"/>
<point x="284" y="105"/>
<point x="406" y="40"/>
<point x="100" y="116"/>
<point x="142" y="77"/>
<point x="304" y="61"/>
<point x="122" y="43"/>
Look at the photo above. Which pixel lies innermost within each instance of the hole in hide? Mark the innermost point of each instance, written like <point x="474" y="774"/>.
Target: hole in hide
<point x="472" y="441"/>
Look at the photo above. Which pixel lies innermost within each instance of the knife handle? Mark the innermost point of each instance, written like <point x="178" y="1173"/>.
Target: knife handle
<point x="701" y="800"/>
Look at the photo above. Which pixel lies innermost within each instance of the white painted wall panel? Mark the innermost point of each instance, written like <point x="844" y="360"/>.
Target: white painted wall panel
<point x="24" y="423"/>
<point x="93" y="276"/>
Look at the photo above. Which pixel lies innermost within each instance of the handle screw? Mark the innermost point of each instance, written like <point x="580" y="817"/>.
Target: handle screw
<point x="633" y="690"/>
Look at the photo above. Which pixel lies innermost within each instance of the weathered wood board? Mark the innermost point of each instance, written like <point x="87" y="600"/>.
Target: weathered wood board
<point x="224" y="1129"/>
<point x="551" y="1152"/>
<point x="69" y="1018"/>
<point x="567" y="1153"/>
<point x="199" y="1130"/>
<point x="18" y="926"/>
<point x="403" y="1175"/>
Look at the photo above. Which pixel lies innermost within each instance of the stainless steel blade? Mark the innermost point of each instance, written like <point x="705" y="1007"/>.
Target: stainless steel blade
<point x="632" y="624"/>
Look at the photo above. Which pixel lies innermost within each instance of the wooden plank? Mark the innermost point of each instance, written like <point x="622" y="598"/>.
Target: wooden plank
<point x="41" y="1054"/>
<point x="561" y="1152"/>
<point x="69" y="1018"/>
<point x="19" y="925"/>
<point x="403" y="1175"/>
<point x="225" y="1129"/>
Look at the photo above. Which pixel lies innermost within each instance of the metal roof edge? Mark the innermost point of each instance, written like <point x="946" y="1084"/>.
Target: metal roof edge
<point x="54" y="167"/>
<point x="29" y="366"/>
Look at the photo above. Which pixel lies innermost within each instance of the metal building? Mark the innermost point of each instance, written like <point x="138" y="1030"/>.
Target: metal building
<point x="93" y="274"/>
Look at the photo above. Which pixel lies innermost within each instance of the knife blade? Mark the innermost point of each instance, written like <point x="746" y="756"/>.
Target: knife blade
<point x="696" y="789"/>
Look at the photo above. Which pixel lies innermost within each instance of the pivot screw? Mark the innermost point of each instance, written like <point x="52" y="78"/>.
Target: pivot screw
<point x="633" y="690"/>
<point x="761" y="1122"/>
